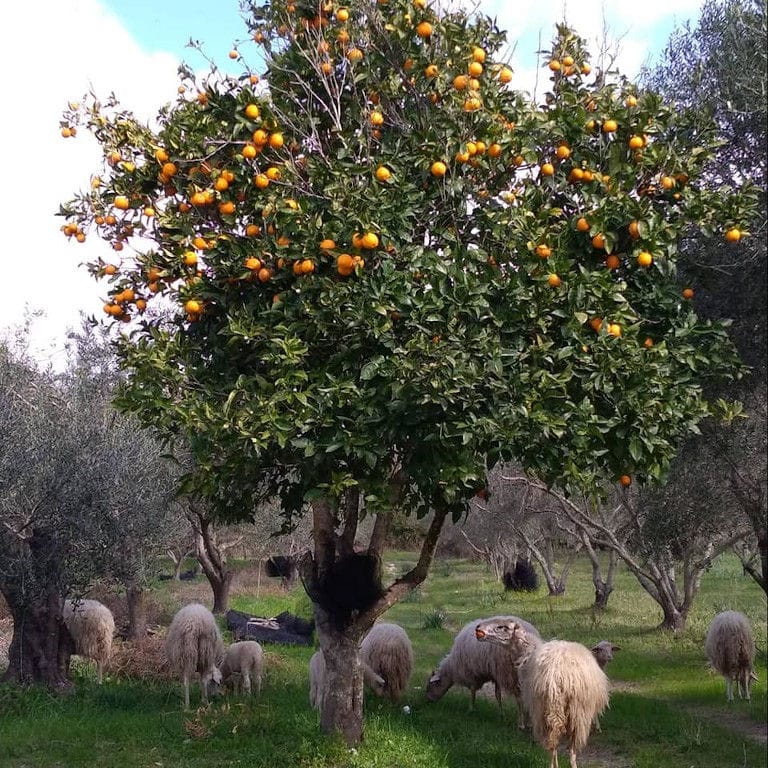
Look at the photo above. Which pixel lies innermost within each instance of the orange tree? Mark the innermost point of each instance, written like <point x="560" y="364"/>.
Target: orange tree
<point x="379" y="270"/>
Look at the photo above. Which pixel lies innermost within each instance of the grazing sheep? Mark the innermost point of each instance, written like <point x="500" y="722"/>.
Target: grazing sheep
<point x="563" y="687"/>
<point x="243" y="661"/>
<point x="92" y="627"/>
<point x="603" y="652"/>
<point x="730" y="648"/>
<point x="472" y="664"/>
<point x="193" y="645"/>
<point x="317" y="679"/>
<point x="387" y="651"/>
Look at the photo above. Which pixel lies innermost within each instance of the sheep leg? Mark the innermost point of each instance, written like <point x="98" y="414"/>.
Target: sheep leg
<point x="472" y="692"/>
<point x="729" y="689"/>
<point x="186" y="690"/>
<point x="553" y="759"/>
<point x="572" y="756"/>
<point x="258" y="685"/>
<point x="99" y="672"/>
<point x="204" y="688"/>
<point x="247" y="682"/>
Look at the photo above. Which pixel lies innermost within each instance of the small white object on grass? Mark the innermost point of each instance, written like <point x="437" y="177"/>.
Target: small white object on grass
<point x="406" y="710"/>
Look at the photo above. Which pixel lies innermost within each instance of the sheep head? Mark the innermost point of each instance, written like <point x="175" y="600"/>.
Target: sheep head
<point x="508" y="633"/>
<point x="603" y="652"/>
<point x="437" y="685"/>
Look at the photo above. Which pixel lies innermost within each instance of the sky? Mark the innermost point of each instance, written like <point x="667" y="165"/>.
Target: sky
<point x="54" y="52"/>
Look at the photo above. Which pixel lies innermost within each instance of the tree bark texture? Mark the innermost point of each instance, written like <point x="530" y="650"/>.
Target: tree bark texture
<point x="135" y="598"/>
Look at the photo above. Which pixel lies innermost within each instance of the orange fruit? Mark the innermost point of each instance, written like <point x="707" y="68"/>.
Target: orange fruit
<point x="273" y="173"/>
<point x="610" y="126"/>
<point x="460" y="82"/>
<point x="648" y="343"/>
<point x="261" y="180"/>
<point x="122" y="203"/>
<point x="494" y="150"/>
<point x="110" y="269"/>
<point x="200" y="243"/>
<point x="193" y="307"/>
<point x="161" y="155"/>
<point x="598" y="241"/>
<point x="260" y="137"/>
<point x="634" y="229"/>
<point x="614" y="329"/>
<point x="576" y="175"/>
<point x="344" y="261"/>
<point x="733" y="235"/>
<point x="342" y="15"/>
<point x="596" y="323"/>
<point x="189" y="258"/>
<point x="327" y="244"/>
<point x="667" y="182"/>
<point x="424" y="29"/>
<point x="307" y="267"/>
<point x="438" y="168"/>
<point x="687" y="293"/>
<point x="252" y="230"/>
<point x="233" y="54"/>
<point x="612" y="261"/>
<point x="582" y="225"/>
<point x="543" y="251"/>
<point x="475" y="68"/>
<point x="563" y="152"/>
<point x="585" y="69"/>
<point x="264" y="275"/>
<point x="383" y="173"/>
<point x="250" y="151"/>
<point x="644" y="259"/>
<point x="631" y="101"/>
<point x="376" y="118"/>
<point x="253" y="263"/>
<point x="554" y="65"/>
<point x="625" y="480"/>
<point x="431" y="71"/>
<point x="276" y="140"/>
<point x="636" y="142"/>
<point x="505" y="74"/>
<point x="369" y="241"/>
<point x="354" y="54"/>
<point x="547" y="169"/>
<point x="554" y="281"/>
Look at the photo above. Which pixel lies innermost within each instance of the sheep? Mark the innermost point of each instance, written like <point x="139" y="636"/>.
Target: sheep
<point x="472" y="664"/>
<point x="603" y="652"/>
<point x="243" y="661"/>
<point x="386" y="650"/>
<point x="317" y="680"/>
<point x="92" y="627"/>
<point x="563" y="687"/>
<point x="730" y="648"/>
<point x="193" y="645"/>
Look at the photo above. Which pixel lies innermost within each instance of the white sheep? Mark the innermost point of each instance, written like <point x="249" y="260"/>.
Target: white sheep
<point x="472" y="664"/>
<point x="317" y="679"/>
<point x="387" y="651"/>
<point x="730" y="648"/>
<point x="564" y="690"/>
<point x="193" y="645"/>
<point x="603" y="652"/>
<point x="243" y="662"/>
<point x="92" y="627"/>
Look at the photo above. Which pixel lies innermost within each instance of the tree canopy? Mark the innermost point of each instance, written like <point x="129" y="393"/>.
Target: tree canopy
<point x="380" y="264"/>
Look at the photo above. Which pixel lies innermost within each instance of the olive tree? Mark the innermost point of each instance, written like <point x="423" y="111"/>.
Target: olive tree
<point x="389" y="270"/>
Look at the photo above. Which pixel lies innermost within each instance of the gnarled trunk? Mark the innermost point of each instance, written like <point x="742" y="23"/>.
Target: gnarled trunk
<point x="41" y="645"/>
<point x="674" y="618"/>
<point x="220" y="586"/>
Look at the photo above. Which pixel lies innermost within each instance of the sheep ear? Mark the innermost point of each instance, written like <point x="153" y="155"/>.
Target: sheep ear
<point x="615" y="647"/>
<point x="216" y="675"/>
<point x="434" y="678"/>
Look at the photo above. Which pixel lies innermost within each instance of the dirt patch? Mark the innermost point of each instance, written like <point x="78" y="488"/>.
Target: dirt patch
<point x="599" y="756"/>
<point x="733" y="720"/>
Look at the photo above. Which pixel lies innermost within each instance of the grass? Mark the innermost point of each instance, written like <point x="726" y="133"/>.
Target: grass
<point x="667" y="709"/>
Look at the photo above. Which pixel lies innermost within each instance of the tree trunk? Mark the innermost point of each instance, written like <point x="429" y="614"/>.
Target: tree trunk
<point x="674" y="618"/>
<point x="602" y="593"/>
<point x="41" y="645"/>
<point x="137" y="612"/>
<point x="342" y="701"/>
<point x="220" y="586"/>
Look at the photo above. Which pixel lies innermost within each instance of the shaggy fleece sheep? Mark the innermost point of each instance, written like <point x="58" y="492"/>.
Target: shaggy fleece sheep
<point x="563" y="687"/>
<point x="730" y="648"/>
<point x="92" y="627"/>
<point x="472" y="664"/>
<point x="387" y="651"/>
<point x="317" y="679"/>
<point x="194" y="646"/>
<point x="243" y="663"/>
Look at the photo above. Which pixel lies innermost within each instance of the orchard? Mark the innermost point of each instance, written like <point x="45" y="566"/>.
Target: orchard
<point x="374" y="266"/>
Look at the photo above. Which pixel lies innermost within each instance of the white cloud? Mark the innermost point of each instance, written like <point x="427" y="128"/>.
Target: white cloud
<point x="53" y="55"/>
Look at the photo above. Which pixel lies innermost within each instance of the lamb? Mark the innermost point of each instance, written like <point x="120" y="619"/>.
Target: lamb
<point x="386" y="650"/>
<point x="603" y="652"/>
<point x="317" y="680"/>
<point x="472" y="664"/>
<point x="563" y="687"/>
<point x="92" y="627"/>
<point x="243" y="661"/>
<point x="193" y="645"/>
<point x="730" y="648"/>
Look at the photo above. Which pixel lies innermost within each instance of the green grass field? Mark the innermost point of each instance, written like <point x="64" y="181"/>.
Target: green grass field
<point x="666" y="708"/>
